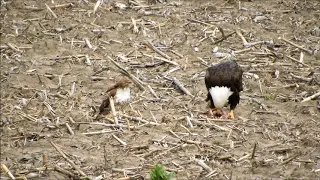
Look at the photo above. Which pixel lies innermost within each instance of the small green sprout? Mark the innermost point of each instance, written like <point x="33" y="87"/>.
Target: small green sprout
<point x="270" y="96"/>
<point x="159" y="173"/>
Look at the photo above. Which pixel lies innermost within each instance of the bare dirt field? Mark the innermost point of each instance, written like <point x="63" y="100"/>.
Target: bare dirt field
<point x="56" y="65"/>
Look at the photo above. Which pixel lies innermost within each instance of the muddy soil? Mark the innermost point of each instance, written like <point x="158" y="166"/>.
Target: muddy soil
<point x="56" y="68"/>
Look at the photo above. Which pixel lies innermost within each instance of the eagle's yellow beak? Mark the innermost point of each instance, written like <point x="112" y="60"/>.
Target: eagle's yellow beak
<point x="220" y="112"/>
<point x="216" y="111"/>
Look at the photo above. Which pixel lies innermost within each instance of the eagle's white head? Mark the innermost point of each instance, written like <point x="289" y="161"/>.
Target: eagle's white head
<point x="220" y="95"/>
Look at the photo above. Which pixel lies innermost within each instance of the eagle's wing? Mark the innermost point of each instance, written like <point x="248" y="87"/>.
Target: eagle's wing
<point x="227" y="74"/>
<point x="238" y="72"/>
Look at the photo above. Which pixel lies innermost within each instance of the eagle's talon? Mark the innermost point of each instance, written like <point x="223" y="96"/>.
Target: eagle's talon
<point x="230" y="115"/>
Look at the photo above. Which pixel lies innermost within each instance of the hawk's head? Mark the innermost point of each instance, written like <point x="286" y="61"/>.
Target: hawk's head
<point x="120" y="91"/>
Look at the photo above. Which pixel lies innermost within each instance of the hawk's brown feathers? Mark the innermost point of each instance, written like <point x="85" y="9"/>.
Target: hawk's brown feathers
<point x="121" y="83"/>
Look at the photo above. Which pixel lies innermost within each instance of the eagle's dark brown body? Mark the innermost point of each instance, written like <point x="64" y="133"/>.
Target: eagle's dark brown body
<point x="227" y="74"/>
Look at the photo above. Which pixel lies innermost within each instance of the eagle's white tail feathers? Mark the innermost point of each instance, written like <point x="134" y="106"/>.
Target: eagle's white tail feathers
<point x="220" y="95"/>
<point x="122" y="95"/>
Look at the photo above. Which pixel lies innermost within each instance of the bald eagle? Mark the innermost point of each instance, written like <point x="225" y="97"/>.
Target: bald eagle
<point x="224" y="84"/>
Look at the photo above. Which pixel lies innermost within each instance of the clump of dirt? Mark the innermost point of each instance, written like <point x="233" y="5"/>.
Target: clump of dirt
<point x="57" y="63"/>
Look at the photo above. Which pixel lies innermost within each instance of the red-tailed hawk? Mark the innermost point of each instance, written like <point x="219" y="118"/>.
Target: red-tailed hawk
<point x="120" y="92"/>
<point x="224" y="84"/>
